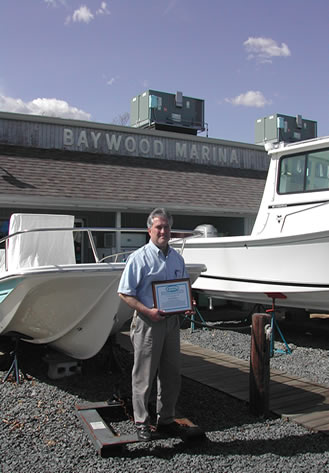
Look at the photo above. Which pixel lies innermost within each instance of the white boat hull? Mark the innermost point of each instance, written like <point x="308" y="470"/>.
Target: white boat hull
<point x="251" y="269"/>
<point x="74" y="308"/>
<point x="71" y="308"/>
<point x="47" y="298"/>
<point x="286" y="253"/>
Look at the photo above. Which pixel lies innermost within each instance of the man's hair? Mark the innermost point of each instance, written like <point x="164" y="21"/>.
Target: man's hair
<point x="159" y="212"/>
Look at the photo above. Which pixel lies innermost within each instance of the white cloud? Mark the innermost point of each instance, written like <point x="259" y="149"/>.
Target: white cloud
<point x="54" y="3"/>
<point x="263" y="49"/>
<point x="83" y="14"/>
<point x="103" y="10"/>
<point x="110" y="80"/>
<point x="42" y="106"/>
<point x="252" y="98"/>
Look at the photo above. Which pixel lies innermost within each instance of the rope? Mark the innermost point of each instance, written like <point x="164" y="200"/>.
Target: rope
<point x="218" y="326"/>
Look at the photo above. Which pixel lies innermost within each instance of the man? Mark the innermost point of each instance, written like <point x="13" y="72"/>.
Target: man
<point x="155" y="336"/>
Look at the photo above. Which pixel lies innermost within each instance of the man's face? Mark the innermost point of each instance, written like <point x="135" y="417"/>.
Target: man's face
<point x="160" y="232"/>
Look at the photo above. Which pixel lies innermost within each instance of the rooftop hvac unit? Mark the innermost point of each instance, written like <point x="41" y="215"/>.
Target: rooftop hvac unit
<point x="277" y="127"/>
<point x="169" y="112"/>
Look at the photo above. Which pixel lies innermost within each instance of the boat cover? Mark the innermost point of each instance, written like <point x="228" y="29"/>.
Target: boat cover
<point x="35" y="249"/>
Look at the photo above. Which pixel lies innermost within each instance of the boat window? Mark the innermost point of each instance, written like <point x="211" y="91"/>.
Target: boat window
<point x="292" y="172"/>
<point x="318" y="171"/>
<point x="304" y="172"/>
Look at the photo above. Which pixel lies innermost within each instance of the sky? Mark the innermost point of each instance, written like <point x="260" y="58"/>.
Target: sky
<point x="247" y="59"/>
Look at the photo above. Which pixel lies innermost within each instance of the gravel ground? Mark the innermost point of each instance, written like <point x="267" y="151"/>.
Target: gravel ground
<point x="40" y="432"/>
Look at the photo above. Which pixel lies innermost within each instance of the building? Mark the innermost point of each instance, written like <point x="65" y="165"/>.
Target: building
<point x="107" y="175"/>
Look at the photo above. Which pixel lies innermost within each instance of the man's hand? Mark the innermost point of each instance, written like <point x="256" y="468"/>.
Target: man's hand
<point x="155" y="314"/>
<point x="189" y="312"/>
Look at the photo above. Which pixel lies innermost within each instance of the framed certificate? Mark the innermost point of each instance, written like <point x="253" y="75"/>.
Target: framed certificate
<point x="173" y="296"/>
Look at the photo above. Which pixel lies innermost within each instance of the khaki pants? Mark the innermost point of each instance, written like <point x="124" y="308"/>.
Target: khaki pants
<point x="156" y="352"/>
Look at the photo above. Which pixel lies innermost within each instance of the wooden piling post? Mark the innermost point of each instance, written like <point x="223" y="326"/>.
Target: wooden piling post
<point x="259" y="377"/>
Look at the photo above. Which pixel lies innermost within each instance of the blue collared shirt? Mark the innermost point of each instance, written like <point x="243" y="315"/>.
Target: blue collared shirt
<point x="148" y="264"/>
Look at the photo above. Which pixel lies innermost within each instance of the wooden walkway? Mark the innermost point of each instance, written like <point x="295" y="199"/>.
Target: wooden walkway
<point x="291" y="397"/>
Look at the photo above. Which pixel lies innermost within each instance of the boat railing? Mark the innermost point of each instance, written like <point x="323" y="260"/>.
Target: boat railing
<point x="178" y="238"/>
<point x="116" y="256"/>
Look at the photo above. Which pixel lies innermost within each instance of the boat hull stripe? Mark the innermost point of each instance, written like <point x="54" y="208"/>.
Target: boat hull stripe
<point x="257" y="281"/>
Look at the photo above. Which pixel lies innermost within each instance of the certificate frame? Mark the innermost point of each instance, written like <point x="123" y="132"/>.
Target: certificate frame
<point x="173" y="296"/>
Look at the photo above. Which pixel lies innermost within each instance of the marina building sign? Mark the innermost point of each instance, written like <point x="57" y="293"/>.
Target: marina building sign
<point x="141" y="145"/>
<point x="54" y="133"/>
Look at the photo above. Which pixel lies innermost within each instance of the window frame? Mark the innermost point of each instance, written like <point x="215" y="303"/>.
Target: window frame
<point x="309" y="157"/>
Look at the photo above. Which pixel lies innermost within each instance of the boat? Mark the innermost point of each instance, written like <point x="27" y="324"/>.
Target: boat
<point x="284" y="259"/>
<point x="46" y="297"/>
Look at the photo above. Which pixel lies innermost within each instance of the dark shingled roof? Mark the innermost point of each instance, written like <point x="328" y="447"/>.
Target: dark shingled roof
<point x="27" y="172"/>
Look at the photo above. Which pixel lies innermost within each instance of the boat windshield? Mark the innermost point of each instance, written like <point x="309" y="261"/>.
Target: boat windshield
<point x="304" y="172"/>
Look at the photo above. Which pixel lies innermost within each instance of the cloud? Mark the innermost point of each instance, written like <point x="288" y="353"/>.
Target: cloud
<point x="83" y="15"/>
<point x="54" y="3"/>
<point x="103" y="10"/>
<point x="252" y="98"/>
<point x="42" y="106"/>
<point x="110" y="80"/>
<point x="263" y="49"/>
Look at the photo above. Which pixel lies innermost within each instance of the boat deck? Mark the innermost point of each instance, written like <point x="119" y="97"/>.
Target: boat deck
<point x="293" y="398"/>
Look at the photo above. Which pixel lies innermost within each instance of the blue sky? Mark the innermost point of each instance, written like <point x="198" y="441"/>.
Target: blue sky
<point x="246" y="58"/>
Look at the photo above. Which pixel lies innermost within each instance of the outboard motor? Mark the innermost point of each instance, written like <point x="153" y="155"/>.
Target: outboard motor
<point x="206" y="231"/>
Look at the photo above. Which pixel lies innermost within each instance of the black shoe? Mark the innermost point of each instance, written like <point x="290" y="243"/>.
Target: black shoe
<point x="185" y="432"/>
<point x="143" y="432"/>
<point x="173" y="429"/>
